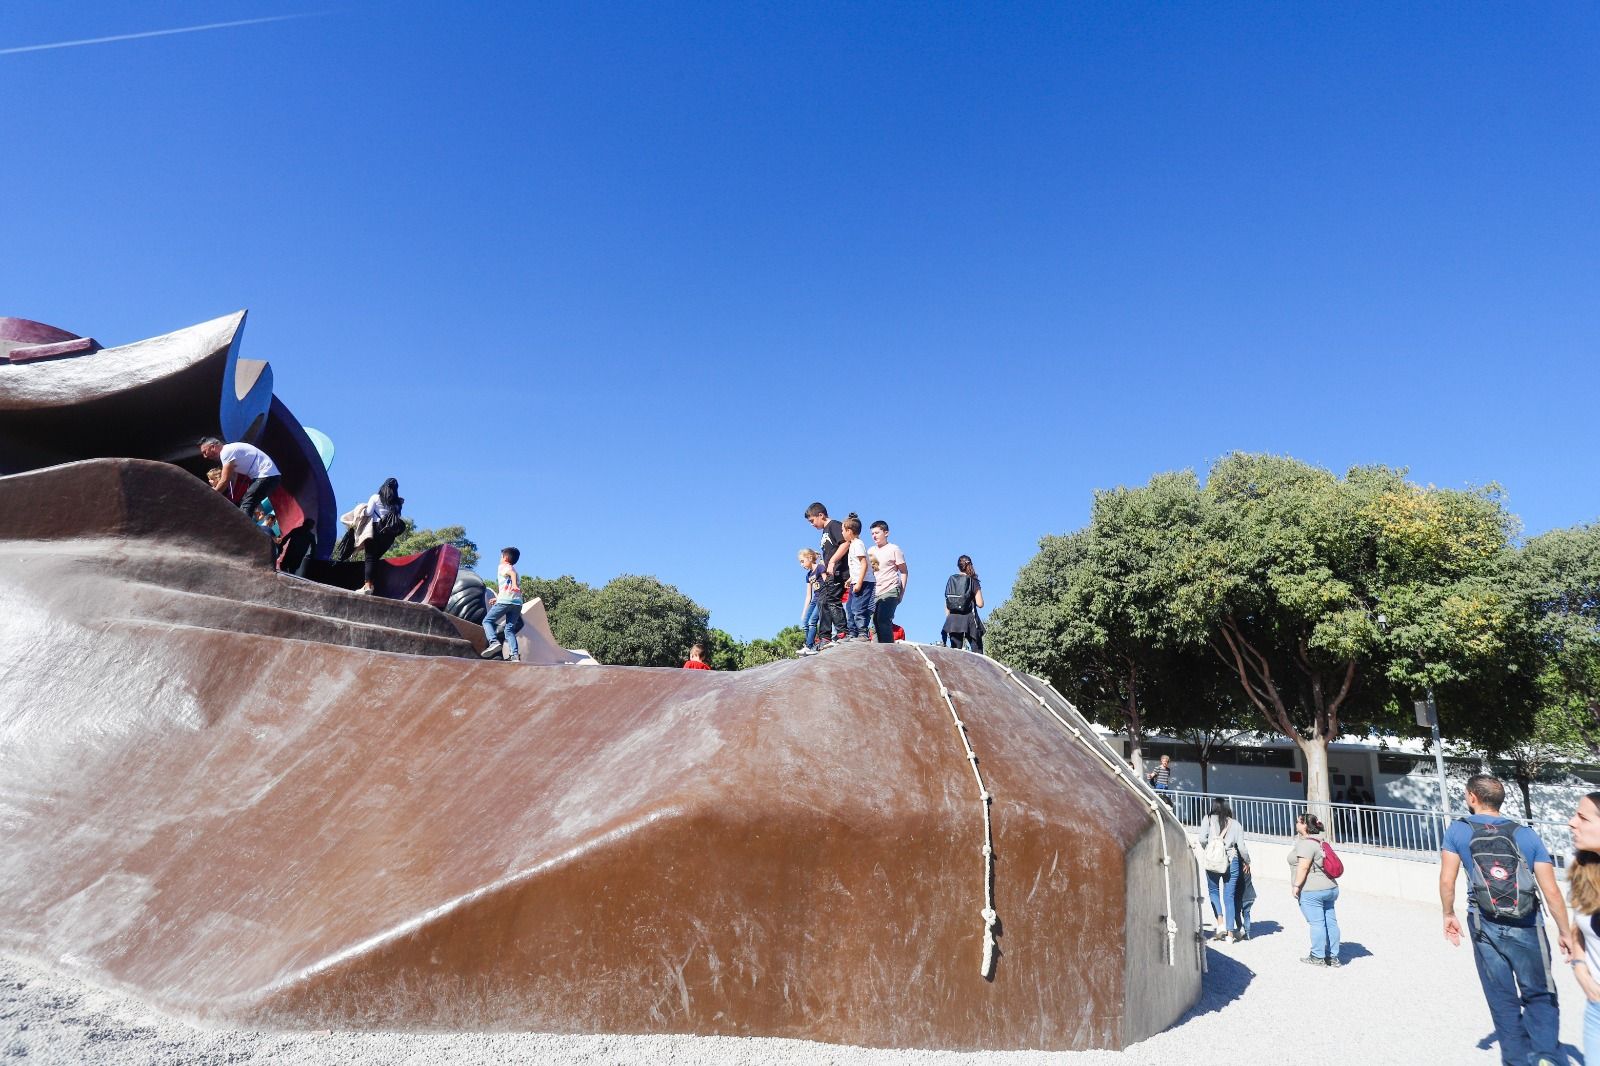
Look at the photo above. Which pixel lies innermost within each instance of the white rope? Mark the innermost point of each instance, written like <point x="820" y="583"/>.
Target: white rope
<point x="1123" y="773"/>
<point x="984" y="798"/>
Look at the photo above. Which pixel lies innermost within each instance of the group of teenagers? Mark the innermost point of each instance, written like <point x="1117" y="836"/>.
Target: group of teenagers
<point x="1511" y="886"/>
<point x="853" y="591"/>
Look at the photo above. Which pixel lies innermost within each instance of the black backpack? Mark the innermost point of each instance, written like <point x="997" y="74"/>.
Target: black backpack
<point x="958" y="594"/>
<point x="1499" y="874"/>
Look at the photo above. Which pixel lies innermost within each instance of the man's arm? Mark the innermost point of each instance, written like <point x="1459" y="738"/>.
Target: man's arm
<point x="905" y="572"/>
<point x="225" y="482"/>
<point x="1449" y="865"/>
<point x="1545" y="874"/>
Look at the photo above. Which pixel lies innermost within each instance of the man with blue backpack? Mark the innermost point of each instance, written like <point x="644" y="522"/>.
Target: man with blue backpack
<point x="1507" y="867"/>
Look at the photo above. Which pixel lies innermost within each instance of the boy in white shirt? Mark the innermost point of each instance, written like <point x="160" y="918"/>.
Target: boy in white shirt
<point x="863" y="584"/>
<point x="890" y="563"/>
<point x="507" y="606"/>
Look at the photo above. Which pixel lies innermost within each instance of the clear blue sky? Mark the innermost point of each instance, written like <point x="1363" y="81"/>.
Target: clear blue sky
<point x="629" y="285"/>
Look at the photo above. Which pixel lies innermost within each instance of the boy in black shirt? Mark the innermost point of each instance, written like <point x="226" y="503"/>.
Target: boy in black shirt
<point x="830" y="616"/>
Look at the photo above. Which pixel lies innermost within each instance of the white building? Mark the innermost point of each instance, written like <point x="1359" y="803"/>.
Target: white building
<point x="1397" y="771"/>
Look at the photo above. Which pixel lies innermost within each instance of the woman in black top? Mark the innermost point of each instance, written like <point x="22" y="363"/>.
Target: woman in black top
<point x="961" y="621"/>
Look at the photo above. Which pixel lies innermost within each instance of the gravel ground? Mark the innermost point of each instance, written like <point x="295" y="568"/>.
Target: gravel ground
<point x="1404" y="996"/>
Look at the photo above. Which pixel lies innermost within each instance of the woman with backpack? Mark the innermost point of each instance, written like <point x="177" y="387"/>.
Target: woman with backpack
<point x="1583" y="881"/>
<point x="1315" y="890"/>
<point x="963" y="595"/>
<point x="384" y="525"/>
<point x="1224" y="855"/>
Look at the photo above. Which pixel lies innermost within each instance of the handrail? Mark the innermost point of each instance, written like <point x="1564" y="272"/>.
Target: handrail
<point x="1396" y="832"/>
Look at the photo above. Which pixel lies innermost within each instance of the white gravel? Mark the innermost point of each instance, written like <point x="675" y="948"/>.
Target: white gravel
<point x="1405" y="996"/>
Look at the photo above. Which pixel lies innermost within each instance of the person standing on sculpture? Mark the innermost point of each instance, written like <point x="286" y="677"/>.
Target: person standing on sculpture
<point x="963" y="595"/>
<point x="831" y="620"/>
<point x="246" y="460"/>
<point x="890" y="563"/>
<point x="863" y="583"/>
<point x="507" y="609"/>
<point x="383" y="527"/>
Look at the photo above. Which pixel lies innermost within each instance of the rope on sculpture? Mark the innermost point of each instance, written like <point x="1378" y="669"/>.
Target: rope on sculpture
<point x="1123" y="773"/>
<point x="984" y="798"/>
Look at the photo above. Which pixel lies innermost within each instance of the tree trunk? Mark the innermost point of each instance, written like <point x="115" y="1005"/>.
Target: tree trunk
<point x="1315" y="750"/>
<point x="1130" y="712"/>
<point x="1205" y="775"/>
<point x="1523" y="781"/>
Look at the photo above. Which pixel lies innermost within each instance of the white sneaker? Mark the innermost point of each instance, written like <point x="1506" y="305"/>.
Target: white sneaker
<point x="803" y="652"/>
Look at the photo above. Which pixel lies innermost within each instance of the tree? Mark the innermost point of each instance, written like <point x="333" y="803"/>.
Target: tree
<point x="1554" y="738"/>
<point x="554" y="592"/>
<point x="1557" y="577"/>
<point x="724" y="652"/>
<point x="632" y="620"/>
<point x="759" y="651"/>
<point x="1285" y="573"/>
<point x="1088" y="611"/>
<point x="415" y="540"/>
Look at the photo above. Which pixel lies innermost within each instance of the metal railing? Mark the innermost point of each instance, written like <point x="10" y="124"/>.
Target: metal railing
<point x="1392" y="831"/>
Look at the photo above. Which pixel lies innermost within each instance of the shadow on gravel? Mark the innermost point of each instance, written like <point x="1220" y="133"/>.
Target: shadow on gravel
<point x="1349" y="950"/>
<point x="1225" y="981"/>
<point x="1573" y="1053"/>
<point x="1261" y="929"/>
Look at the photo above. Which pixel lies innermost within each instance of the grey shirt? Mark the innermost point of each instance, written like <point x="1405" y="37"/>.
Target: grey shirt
<point x="1316" y="880"/>
<point x="1233" y="835"/>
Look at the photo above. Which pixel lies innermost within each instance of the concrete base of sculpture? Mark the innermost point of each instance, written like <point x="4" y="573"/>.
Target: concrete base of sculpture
<point x="249" y="799"/>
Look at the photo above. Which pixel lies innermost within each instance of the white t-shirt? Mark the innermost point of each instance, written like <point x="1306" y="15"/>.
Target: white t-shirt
<point x="248" y="460"/>
<point x="858" y="562"/>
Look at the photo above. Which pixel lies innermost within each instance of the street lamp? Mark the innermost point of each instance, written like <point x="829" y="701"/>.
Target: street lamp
<point x="1428" y="715"/>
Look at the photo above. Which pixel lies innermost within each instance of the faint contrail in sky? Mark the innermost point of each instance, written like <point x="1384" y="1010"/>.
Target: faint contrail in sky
<point x="155" y="33"/>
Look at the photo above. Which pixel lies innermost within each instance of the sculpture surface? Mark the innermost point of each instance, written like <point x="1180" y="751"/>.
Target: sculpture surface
<point x="255" y="799"/>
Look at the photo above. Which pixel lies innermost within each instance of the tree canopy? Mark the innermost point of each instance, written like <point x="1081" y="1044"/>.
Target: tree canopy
<point x="1322" y="600"/>
<point x="415" y="540"/>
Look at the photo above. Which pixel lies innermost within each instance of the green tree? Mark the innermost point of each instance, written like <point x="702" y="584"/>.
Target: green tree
<point x="724" y="652"/>
<point x="415" y="540"/>
<point x="1286" y="572"/>
<point x="554" y="591"/>
<point x="1089" y="612"/>
<point x="1554" y="738"/>
<point x="1557" y="578"/>
<point x="760" y="651"/>
<point x="632" y="620"/>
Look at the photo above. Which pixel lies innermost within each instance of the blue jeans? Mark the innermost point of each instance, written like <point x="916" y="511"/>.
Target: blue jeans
<point x="512" y="613"/>
<point x="858" y="612"/>
<point x="808" y="621"/>
<point x="883" y="617"/>
<point x="1591" y="1033"/>
<point x="1318" y="908"/>
<point x="1244" y="898"/>
<point x="1514" y="969"/>
<point x="1228" y="885"/>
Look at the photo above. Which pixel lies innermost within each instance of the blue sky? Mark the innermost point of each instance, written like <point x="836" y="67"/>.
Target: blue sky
<point x="629" y="285"/>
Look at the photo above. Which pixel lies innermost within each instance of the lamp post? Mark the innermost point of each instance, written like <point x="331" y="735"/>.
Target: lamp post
<point x="1428" y="715"/>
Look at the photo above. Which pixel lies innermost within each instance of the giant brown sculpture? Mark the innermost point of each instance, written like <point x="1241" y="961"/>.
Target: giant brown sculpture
<point x="253" y="799"/>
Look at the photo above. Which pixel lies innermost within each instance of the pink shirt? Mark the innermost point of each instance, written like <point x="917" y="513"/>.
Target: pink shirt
<point x="887" y="561"/>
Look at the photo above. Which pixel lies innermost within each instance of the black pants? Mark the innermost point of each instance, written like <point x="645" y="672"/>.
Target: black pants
<point x="375" y="548"/>
<point x="830" y="614"/>
<point x="973" y="643"/>
<point x="259" y="490"/>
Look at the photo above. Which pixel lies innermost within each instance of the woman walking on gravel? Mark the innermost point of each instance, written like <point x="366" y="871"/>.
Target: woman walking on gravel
<point x="1315" y="891"/>
<point x="1221" y="827"/>
<point x="1584" y="881"/>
